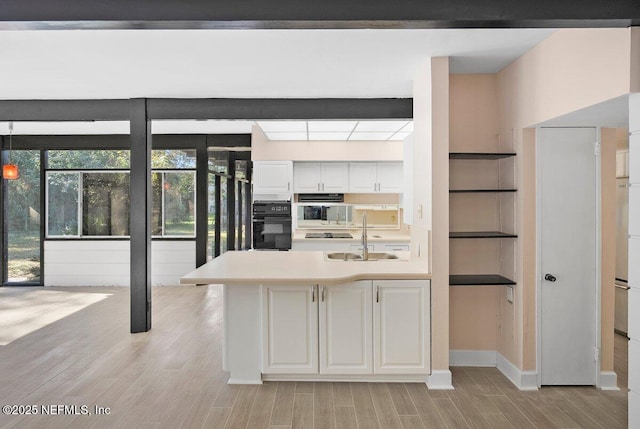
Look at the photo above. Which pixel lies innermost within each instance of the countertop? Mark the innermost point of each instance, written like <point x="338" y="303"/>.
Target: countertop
<point x="373" y="236"/>
<point x="295" y="267"/>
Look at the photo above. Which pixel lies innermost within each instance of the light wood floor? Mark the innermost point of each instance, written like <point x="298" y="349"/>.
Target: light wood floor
<point x="171" y="377"/>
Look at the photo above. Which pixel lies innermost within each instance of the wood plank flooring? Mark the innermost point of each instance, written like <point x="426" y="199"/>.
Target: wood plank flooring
<point x="171" y="377"/>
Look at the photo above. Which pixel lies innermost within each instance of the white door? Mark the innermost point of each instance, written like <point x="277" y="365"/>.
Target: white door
<point x="290" y="330"/>
<point x="345" y="329"/>
<point x="363" y="177"/>
<point x="272" y="177"/>
<point x="567" y="222"/>
<point x="335" y="177"/>
<point x="390" y="178"/>
<point x="307" y="177"/>
<point x="401" y="327"/>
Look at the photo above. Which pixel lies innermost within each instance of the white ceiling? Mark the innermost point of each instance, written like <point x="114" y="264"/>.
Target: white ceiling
<point x="98" y="64"/>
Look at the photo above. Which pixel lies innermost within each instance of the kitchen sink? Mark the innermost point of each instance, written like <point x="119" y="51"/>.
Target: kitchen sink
<point x="350" y="256"/>
<point x="343" y="256"/>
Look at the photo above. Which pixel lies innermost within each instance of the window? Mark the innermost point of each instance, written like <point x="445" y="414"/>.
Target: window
<point x="105" y="204"/>
<point x="92" y="204"/>
<point x="87" y="159"/>
<point x="62" y="204"/>
<point x="173" y="204"/>
<point x="95" y="203"/>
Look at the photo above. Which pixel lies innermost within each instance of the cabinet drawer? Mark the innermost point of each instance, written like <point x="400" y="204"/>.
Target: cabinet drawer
<point x="396" y="247"/>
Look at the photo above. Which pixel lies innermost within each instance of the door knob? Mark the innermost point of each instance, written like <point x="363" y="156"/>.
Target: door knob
<point x="550" y="277"/>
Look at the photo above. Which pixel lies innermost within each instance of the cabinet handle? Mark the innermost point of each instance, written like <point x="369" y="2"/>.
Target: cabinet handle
<point x="313" y="293"/>
<point x="288" y="186"/>
<point x="377" y="293"/>
<point x="323" y="294"/>
<point x="323" y="187"/>
<point x="318" y="186"/>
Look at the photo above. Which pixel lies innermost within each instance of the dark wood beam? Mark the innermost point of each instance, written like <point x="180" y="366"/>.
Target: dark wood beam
<point x="140" y="217"/>
<point x="209" y="108"/>
<point x="250" y="14"/>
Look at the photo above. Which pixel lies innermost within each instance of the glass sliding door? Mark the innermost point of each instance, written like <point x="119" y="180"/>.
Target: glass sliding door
<point x="22" y="221"/>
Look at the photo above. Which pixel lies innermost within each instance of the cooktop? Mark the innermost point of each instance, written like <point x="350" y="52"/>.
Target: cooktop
<point x="328" y="235"/>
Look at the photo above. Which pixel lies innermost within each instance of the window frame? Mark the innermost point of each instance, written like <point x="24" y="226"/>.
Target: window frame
<point x="80" y="190"/>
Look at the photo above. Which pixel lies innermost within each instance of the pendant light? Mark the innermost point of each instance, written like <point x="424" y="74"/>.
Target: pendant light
<point x="9" y="170"/>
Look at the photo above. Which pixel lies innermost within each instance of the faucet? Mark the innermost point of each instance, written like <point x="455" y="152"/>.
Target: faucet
<point x="365" y="248"/>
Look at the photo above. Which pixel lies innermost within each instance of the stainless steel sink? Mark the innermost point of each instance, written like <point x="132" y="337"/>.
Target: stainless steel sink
<point x="343" y="256"/>
<point x="350" y="256"/>
<point x="381" y="255"/>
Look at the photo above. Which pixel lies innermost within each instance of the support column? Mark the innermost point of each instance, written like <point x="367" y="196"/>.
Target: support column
<point x="202" y="202"/>
<point x="140" y="216"/>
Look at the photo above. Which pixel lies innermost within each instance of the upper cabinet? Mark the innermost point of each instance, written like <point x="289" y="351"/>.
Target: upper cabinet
<point x="375" y="177"/>
<point x="321" y="177"/>
<point x="272" y="177"/>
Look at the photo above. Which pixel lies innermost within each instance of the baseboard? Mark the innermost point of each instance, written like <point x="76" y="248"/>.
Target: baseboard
<point x="608" y="380"/>
<point x="523" y="380"/>
<point x="473" y="358"/>
<point x="439" y="380"/>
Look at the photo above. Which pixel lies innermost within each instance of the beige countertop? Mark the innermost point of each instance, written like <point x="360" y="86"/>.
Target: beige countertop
<point x="373" y="236"/>
<point x="293" y="267"/>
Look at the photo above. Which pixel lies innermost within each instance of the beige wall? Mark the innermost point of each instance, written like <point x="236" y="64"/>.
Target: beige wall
<point x="263" y="149"/>
<point x="570" y="70"/>
<point x="431" y="151"/>
<point x="473" y="127"/>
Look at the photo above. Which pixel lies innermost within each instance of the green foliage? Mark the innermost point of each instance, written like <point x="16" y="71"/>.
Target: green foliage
<point x="23" y="194"/>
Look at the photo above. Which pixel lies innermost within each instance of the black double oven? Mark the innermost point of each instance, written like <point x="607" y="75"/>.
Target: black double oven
<point x="271" y="225"/>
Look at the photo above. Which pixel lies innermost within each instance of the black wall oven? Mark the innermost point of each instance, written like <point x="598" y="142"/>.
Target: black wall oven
<point x="272" y="225"/>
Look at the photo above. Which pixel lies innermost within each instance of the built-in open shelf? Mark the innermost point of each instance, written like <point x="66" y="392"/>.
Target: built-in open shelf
<point x="479" y="155"/>
<point x="479" y="280"/>
<point x="467" y="191"/>
<point x="481" y="234"/>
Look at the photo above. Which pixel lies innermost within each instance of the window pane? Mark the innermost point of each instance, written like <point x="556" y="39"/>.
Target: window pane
<point x="179" y="203"/>
<point x="88" y="159"/>
<point x="224" y="224"/>
<point x="173" y="158"/>
<point x="156" y="207"/>
<point x="219" y="162"/>
<point x="105" y="208"/>
<point x="23" y="218"/>
<point x="62" y="204"/>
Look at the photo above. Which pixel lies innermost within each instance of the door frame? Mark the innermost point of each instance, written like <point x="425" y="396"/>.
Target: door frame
<point x="598" y="258"/>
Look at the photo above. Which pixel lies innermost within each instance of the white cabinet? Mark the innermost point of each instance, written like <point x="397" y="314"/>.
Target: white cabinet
<point x="362" y="327"/>
<point x="321" y="177"/>
<point x="290" y="330"/>
<point x="374" y="177"/>
<point x="346" y="329"/>
<point x="363" y="177"/>
<point x="272" y="177"/>
<point x="390" y="177"/>
<point x="401" y="327"/>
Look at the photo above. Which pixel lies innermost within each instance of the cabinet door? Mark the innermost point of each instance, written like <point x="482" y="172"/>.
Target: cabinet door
<point x="390" y="177"/>
<point x="335" y="177"/>
<point x="272" y="177"/>
<point x="290" y="329"/>
<point x="307" y="177"/>
<point x="401" y="327"/>
<point x="363" y="177"/>
<point x="346" y="329"/>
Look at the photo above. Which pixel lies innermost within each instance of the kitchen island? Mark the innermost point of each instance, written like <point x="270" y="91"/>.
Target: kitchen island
<point x="300" y="316"/>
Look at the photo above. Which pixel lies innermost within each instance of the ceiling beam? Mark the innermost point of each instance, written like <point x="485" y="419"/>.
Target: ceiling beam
<point x="251" y="14"/>
<point x="209" y="108"/>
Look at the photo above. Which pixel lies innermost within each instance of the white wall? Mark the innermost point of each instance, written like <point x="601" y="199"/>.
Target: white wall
<point x="106" y="262"/>
<point x="634" y="257"/>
